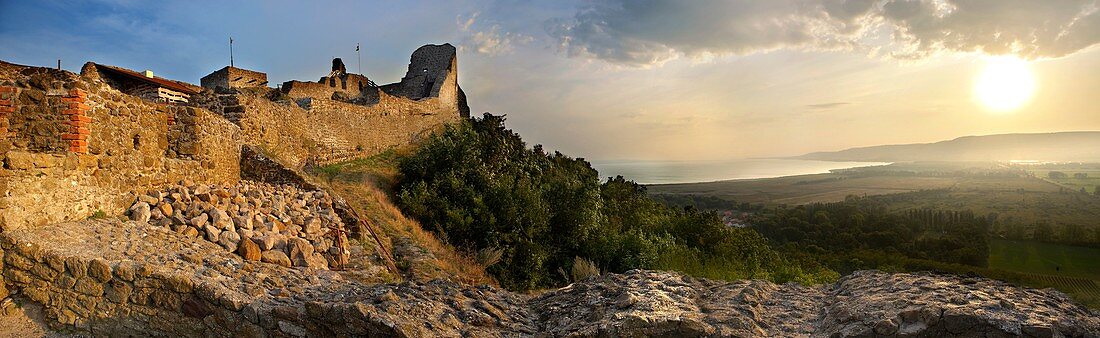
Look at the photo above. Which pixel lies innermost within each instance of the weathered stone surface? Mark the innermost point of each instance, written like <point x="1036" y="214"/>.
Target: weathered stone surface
<point x="248" y="250"/>
<point x="140" y="212"/>
<point x="275" y="257"/>
<point x="75" y="147"/>
<point x="218" y="294"/>
<point x="299" y="251"/>
<point x="99" y="270"/>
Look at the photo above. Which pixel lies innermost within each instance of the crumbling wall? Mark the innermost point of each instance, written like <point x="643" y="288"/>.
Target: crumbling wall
<point x="429" y="69"/>
<point x="392" y="122"/>
<point x="233" y="77"/>
<point x="338" y="83"/>
<point x="112" y="147"/>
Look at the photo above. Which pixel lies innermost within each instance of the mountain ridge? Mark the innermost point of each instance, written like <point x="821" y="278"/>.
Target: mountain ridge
<point x="1055" y="146"/>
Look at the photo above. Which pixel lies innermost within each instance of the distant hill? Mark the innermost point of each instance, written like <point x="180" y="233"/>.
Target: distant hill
<point x="1063" y="146"/>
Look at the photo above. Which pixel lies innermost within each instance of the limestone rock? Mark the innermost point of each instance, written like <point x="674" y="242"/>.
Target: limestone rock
<point x="249" y="250"/>
<point x="275" y="257"/>
<point x="299" y="251"/>
<point x="140" y="212"/>
<point x="200" y="221"/>
<point x="212" y="233"/>
<point x="229" y="240"/>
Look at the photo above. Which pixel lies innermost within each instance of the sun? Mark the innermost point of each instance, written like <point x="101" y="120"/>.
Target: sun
<point x="1005" y="84"/>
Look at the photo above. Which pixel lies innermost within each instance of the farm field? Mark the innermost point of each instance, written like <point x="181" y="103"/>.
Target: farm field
<point x="1090" y="182"/>
<point x="1070" y="269"/>
<point x="867" y="181"/>
<point x="1044" y="258"/>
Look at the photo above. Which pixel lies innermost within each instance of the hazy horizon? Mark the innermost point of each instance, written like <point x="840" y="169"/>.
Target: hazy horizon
<point x="654" y="80"/>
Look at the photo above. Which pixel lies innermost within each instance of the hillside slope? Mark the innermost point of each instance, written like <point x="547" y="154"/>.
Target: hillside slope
<point x="1063" y="146"/>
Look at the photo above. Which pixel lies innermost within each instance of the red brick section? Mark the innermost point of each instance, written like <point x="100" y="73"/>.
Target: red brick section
<point x="7" y="95"/>
<point x="78" y="122"/>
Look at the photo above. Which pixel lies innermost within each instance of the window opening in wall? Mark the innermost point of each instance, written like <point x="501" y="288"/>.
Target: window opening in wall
<point x="137" y="141"/>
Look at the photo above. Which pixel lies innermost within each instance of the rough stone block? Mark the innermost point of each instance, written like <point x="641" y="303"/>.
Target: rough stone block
<point x="88" y="286"/>
<point x="100" y="270"/>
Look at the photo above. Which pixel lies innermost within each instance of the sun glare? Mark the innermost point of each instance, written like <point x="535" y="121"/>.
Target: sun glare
<point x="1005" y="84"/>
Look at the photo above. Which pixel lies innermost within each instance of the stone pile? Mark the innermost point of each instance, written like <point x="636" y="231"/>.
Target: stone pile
<point x="277" y="224"/>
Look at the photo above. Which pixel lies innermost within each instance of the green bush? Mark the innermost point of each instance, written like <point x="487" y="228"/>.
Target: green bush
<point x="477" y="185"/>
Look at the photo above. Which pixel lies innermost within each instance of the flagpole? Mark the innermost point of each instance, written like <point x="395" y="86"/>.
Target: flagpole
<point x="231" y="51"/>
<point x="358" y="59"/>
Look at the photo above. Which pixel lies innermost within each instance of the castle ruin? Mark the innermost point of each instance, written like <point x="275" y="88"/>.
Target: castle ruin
<point x="109" y="133"/>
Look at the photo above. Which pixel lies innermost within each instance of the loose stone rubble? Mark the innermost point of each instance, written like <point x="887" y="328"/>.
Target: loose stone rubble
<point x="115" y="278"/>
<point x="278" y="224"/>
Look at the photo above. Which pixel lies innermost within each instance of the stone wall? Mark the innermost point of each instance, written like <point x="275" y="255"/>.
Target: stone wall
<point x="393" y="121"/>
<point x="233" y="77"/>
<point x="321" y="129"/>
<point x="429" y="69"/>
<point x="78" y="146"/>
<point x="338" y="83"/>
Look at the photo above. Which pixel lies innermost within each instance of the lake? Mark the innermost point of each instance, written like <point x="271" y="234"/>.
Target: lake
<point x="657" y="172"/>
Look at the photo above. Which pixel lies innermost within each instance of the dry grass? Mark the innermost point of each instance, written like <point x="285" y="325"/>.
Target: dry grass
<point x="364" y="184"/>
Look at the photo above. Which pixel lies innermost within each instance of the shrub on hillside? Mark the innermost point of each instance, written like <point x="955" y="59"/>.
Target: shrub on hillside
<point x="478" y="186"/>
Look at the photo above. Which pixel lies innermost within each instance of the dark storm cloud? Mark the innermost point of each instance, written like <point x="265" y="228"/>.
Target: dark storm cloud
<point x="648" y="32"/>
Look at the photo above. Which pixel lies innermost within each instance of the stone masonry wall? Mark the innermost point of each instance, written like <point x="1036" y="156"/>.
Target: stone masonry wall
<point x="429" y="68"/>
<point x="233" y="77"/>
<point x="392" y="122"/>
<point x="80" y="147"/>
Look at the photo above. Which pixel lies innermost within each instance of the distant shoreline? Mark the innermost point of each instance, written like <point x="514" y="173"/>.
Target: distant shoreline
<point x="687" y="172"/>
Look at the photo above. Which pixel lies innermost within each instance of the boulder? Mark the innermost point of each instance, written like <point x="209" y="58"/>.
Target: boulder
<point x="200" y="220"/>
<point x="313" y="226"/>
<point x="248" y="250"/>
<point x="220" y="219"/>
<point x="212" y="233"/>
<point x="140" y="212"/>
<point x="165" y="208"/>
<point x="299" y="250"/>
<point x="275" y="257"/>
<point x="265" y="242"/>
<point x="316" y="261"/>
<point x="229" y="240"/>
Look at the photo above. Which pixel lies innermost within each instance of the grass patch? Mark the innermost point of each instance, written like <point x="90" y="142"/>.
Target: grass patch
<point x="98" y="214"/>
<point x="365" y="183"/>
<point x="1044" y="258"/>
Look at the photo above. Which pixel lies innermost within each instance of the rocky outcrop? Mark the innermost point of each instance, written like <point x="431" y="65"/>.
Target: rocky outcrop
<point x="130" y="278"/>
<point x="863" y="304"/>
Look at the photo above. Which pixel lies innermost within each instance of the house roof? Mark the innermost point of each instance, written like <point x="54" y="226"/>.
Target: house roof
<point x="178" y="86"/>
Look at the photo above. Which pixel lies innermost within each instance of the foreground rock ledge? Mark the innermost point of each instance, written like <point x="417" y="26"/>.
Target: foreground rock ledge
<point x="130" y="278"/>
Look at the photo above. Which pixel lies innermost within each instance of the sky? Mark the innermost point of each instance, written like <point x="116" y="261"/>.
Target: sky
<point x="633" y="79"/>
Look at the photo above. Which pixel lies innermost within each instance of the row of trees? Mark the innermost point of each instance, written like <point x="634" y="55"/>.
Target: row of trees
<point x="478" y="186"/>
<point x="865" y="226"/>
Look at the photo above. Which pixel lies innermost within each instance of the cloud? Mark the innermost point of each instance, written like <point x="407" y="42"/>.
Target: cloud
<point x="827" y="105"/>
<point x="651" y="32"/>
<point x="489" y="41"/>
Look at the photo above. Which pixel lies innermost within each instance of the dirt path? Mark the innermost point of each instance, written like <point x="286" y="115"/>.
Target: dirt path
<point x="27" y="321"/>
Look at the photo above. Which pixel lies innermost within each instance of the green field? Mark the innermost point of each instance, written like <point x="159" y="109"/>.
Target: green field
<point x="1089" y="183"/>
<point x="1044" y="258"/>
<point x="1071" y="269"/>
